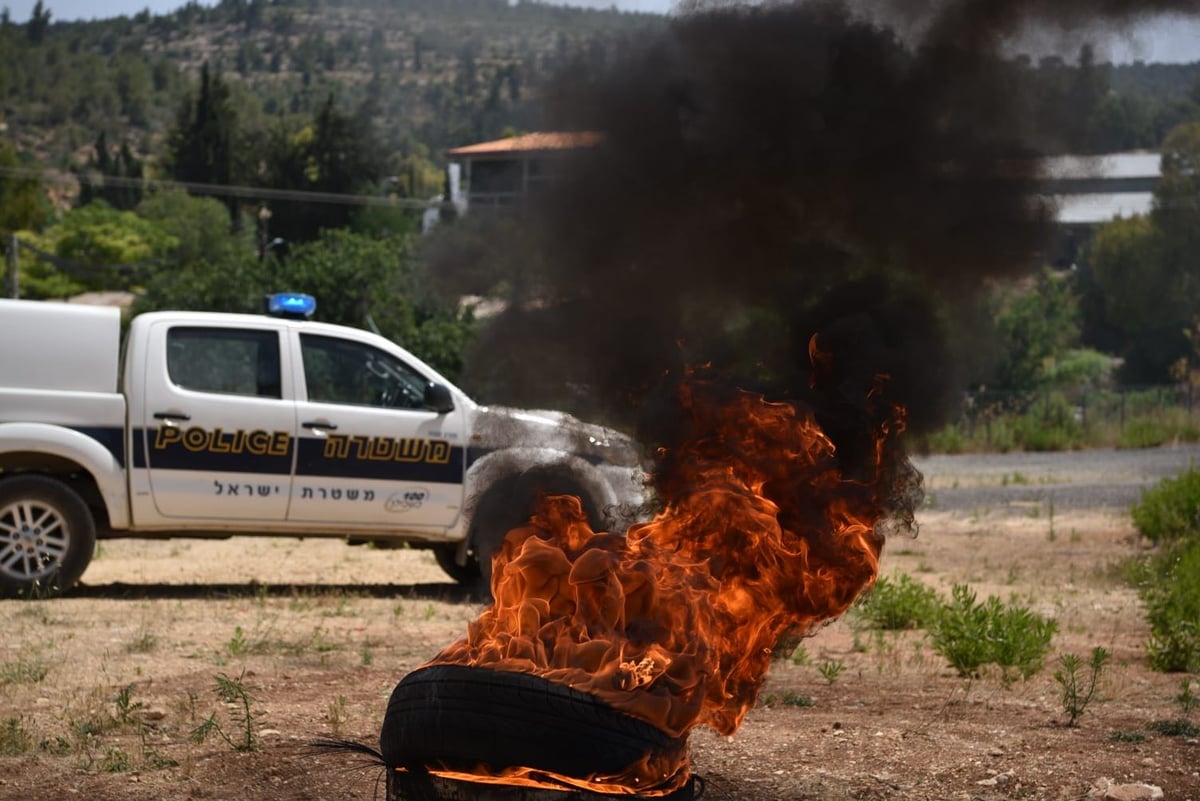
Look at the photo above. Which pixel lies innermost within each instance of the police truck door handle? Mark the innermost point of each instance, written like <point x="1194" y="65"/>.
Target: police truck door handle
<point x="314" y="424"/>
<point x="171" y="416"/>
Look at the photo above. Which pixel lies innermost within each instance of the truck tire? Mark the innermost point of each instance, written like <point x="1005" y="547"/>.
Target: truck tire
<point x="460" y="717"/>
<point x="508" y="504"/>
<point x="464" y="574"/>
<point x="47" y="536"/>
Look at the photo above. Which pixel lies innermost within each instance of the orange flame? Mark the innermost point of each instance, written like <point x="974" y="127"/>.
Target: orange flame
<point x="675" y="622"/>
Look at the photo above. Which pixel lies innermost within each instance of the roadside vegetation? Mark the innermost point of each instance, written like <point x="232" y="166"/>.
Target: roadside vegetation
<point x="1169" y="578"/>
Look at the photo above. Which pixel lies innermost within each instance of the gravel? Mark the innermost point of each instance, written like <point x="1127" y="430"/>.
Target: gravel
<point x="1098" y="480"/>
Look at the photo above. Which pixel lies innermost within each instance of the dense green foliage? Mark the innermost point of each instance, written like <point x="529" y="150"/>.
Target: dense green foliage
<point x="1170" y="511"/>
<point x="897" y="603"/>
<point x="1173" y="609"/>
<point x="1143" y="287"/>
<point x="971" y="634"/>
<point x="359" y="280"/>
<point x="1169" y="581"/>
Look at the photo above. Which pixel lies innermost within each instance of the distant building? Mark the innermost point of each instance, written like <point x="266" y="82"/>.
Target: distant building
<point x="1088" y="191"/>
<point x="503" y="172"/>
<point x="1084" y="191"/>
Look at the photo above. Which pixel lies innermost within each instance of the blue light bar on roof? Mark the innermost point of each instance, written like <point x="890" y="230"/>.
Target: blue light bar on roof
<point x="291" y="304"/>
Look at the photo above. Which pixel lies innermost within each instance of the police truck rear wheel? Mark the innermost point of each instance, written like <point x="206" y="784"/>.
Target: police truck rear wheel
<point x="46" y="537"/>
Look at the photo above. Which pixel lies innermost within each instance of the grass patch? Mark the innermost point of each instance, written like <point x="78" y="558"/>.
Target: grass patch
<point x="14" y="740"/>
<point x="23" y="670"/>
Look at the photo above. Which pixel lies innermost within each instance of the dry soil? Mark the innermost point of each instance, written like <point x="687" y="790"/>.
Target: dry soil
<point x="100" y="691"/>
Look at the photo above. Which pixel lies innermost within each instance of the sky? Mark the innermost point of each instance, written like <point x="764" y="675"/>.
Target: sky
<point x="1162" y="39"/>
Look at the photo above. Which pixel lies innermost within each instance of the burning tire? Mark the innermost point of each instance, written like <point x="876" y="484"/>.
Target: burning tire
<point x="461" y="718"/>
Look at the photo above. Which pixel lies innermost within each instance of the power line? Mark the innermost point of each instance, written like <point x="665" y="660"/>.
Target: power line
<point x="219" y="190"/>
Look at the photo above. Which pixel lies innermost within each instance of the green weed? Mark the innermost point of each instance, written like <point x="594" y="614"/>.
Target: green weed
<point x="896" y="603"/>
<point x="1187" y="700"/>
<point x="831" y="669"/>
<point x="14" y="740"/>
<point x="1079" y="690"/>
<point x="241" y="717"/>
<point x="972" y="634"/>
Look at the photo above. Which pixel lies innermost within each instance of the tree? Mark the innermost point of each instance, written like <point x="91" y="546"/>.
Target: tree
<point x="1036" y="326"/>
<point x="336" y="154"/>
<point x="200" y="227"/>
<point x="124" y="193"/>
<point x="200" y="146"/>
<point x="94" y="247"/>
<point x="22" y="204"/>
<point x="39" y="21"/>
<point x="1139" y="297"/>
<point x="1146" y="270"/>
<point x="356" y="279"/>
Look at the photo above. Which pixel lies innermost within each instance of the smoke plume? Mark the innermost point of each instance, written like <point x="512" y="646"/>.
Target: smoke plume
<point x="770" y="173"/>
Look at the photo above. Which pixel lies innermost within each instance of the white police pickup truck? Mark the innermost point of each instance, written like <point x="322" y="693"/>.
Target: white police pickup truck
<point x="227" y="424"/>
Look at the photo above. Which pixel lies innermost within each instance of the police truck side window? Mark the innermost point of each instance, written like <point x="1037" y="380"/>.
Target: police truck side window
<point x="343" y="371"/>
<point x="229" y="361"/>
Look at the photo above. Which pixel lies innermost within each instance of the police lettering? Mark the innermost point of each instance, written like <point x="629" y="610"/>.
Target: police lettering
<point x="202" y="440"/>
<point x="387" y="449"/>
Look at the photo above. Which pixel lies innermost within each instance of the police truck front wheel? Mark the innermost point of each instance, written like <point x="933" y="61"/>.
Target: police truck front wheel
<point x="46" y="537"/>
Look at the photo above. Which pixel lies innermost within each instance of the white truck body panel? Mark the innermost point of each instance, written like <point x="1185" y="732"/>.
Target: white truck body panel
<point x="64" y="347"/>
<point x="228" y="423"/>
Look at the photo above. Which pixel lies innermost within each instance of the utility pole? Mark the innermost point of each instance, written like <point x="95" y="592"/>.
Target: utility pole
<point x="12" y="288"/>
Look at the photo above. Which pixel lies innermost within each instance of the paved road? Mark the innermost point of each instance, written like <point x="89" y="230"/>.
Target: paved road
<point x="1099" y="479"/>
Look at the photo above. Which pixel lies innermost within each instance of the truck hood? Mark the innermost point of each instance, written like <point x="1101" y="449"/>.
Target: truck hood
<point x="506" y="427"/>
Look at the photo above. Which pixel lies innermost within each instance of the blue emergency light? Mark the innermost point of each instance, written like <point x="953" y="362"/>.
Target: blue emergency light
<point x="293" y="305"/>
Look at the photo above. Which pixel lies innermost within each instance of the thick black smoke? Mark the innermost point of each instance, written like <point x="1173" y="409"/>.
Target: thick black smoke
<point x="770" y="173"/>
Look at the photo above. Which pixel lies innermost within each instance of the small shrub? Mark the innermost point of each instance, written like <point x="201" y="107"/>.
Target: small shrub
<point x="1173" y="610"/>
<point x="898" y="603"/>
<point x="1187" y="700"/>
<point x="800" y="656"/>
<point x="970" y="635"/>
<point x="1171" y="510"/>
<point x="1078" y="691"/>
<point x="831" y="669"/>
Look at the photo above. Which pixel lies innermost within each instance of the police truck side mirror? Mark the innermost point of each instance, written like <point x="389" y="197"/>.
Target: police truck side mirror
<point x="438" y="398"/>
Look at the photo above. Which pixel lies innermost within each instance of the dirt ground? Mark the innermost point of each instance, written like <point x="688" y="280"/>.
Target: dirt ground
<point x="100" y="691"/>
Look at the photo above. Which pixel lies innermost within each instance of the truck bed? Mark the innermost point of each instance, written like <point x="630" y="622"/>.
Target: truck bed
<point x="59" y="346"/>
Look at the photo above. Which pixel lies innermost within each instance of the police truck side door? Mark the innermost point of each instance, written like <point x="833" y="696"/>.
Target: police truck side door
<point x="216" y="437"/>
<point x="370" y="453"/>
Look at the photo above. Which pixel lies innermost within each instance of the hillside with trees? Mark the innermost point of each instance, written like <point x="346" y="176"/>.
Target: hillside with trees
<point x="355" y="102"/>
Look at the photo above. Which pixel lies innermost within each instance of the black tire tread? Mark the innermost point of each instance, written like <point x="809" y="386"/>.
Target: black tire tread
<point x="462" y="717"/>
